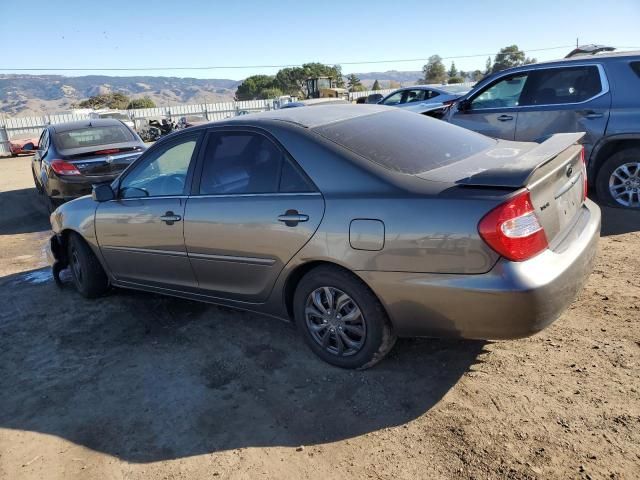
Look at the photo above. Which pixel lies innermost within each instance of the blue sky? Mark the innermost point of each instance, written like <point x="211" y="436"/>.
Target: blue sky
<point x="182" y="33"/>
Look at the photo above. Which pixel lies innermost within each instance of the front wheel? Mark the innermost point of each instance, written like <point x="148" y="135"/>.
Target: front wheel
<point x="88" y="275"/>
<point x="341" y="319"/>
<point x="618" y="180"/>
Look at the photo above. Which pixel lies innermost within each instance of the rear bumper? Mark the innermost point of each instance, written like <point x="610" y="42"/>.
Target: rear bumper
<point x="68" y="188"/>
<point x="514" y="299"/>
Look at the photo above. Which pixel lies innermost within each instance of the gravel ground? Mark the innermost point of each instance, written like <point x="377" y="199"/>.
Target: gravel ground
<point x="138" y="386"/>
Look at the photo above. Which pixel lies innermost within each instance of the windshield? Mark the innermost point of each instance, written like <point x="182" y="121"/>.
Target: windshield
<point x="93" y="136"/>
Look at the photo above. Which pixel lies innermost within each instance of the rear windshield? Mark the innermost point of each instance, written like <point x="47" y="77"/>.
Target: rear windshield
<point x="405" y="142"/>
<point x="93" y="136"/>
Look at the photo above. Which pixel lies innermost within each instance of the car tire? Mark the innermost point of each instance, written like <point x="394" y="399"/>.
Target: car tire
<point x="88" y="275"/>
<point x="368" y="337"/>
<point x="611" y="179"/>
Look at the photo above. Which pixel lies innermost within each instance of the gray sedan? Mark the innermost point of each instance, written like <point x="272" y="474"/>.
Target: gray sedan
<point x="328" y="216"/>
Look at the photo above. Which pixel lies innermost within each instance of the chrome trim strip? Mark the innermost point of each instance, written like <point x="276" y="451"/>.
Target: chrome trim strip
<point x="234" y="259"/>
<point x="603" y="80"/>
<point x="275" y="194"/>
<point x="133" y="155"/>
<point x="172" y="253"/>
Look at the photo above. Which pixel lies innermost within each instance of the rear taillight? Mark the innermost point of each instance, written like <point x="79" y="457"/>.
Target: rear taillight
<point x="585" y="184"/>
<point x="64" y="168"/>
<point x="513" y="229"/>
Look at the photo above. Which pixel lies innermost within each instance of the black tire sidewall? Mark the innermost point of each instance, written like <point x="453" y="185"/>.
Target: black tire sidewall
<point x="374" y="315"/>
<point x="608" y="167"/>
<point x="94" y="280"/>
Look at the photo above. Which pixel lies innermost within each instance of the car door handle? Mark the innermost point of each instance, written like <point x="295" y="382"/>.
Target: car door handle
<point x="169" y="218"/>
<point x="505" y="118"/>
<point x="591" y="114"/>
<point x="291" y="218"/>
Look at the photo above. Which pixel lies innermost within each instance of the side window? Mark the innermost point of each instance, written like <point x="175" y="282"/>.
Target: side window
<point x="394" y="98"/>
<point x="43" y="143"/>
<point x="429" y="94"/>
<point x="635" y="66"/>
<point x="164" y="172"/>
<point x="244" y="162"/>
<point x="414" y="96"/>
<point x="293" y="181"/>
<point x="561" y="85"/>
<point x="505" y="93"/>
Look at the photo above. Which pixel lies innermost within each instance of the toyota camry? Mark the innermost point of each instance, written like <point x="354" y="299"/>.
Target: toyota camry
<point x="360" y="224"/>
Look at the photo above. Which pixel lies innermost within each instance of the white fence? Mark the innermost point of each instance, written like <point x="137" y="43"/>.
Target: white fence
<point x="12" y="126"/>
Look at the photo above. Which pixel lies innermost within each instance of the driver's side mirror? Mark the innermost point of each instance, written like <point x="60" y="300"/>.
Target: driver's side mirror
<point x="27" y="147"/>
<point x="464" y="105"/>
<point x="103" y="193"/>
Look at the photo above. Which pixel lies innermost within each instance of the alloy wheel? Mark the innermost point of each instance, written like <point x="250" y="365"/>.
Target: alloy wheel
<point x="335" y="321"/>
<point x="624" y="184"/>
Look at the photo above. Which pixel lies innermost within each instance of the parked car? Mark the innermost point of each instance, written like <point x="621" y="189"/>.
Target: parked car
<point x="596" y="94"/>
<point x="425" y="94"/>
<point x="371" y="98"/>
<point x="330" y="217"/>
<point x="71" y="157"/>
<point x="17" y="143"/>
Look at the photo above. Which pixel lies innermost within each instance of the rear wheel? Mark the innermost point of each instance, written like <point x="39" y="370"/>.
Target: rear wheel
<point x="618" y="180"/>
<point x="88" y="275"/>
<point x="341" y="319"/>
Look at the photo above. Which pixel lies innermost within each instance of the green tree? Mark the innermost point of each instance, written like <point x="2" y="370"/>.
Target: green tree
<point x="376" y="86"/>
<point x="453" y="71"/>
<point x="453" y="80"/>
<point x="488" y="66"/>
<point x="144" y="102"/>
<point x="510" y="56"/>
<point x="291" y="81"/>
<point x="251" y="87"/>
<point x="434" y="71"/>
<point x="271" y="92"/>
<point x="477" y="75"/>
<point x="354" y="83"/>
<point x="115" y="100"/>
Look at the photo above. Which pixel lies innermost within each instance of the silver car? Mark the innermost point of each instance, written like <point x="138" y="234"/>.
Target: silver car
<point x="360" y="223"/>
<point x="423" y="95"/>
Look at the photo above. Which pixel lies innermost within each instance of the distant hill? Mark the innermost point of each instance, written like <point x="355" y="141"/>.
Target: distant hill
<point x="22" y="95"/>
<point x="38" y="94"/>
<point x="404" y="78"/>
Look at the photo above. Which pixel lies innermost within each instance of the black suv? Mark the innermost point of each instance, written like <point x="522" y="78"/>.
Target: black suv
<point x="596" y="94"/>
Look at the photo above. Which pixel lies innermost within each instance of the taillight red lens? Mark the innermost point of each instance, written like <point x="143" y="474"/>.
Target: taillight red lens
<point x="513" y="229"/>
<point x="64" y="168"/>
<point x="585" y="185"/>
<point x="108" y="151"/>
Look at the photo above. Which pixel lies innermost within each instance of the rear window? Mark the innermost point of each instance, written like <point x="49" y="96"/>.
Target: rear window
<point x="406" y="142"/>
<point x="635" y="66"/>
<point x="93" y="136"/>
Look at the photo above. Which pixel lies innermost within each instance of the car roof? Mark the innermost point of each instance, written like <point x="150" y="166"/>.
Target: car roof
<point x="92" y="122"/>
<point x="596" y="58"/>
<point x="310" y="117"/>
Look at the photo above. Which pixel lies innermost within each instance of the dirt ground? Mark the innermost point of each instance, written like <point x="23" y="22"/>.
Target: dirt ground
<point x="139" y="386"/>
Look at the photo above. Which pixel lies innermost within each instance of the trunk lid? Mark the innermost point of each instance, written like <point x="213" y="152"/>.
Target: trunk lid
<point x="104" y="160"/>
<point x="552" y="171"/>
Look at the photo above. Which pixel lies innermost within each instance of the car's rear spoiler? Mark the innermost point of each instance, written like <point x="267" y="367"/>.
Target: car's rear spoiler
<point x="507" y="165"/>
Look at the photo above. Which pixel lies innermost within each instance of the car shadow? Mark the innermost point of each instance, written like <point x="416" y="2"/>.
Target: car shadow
<point x="146" y="378"/>
<point x="23" y="211"/>
<point x="617" y="221"/>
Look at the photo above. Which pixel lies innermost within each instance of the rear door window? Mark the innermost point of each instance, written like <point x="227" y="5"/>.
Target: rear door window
<point x="248" y="163"/>
<point x="555" y="86"/>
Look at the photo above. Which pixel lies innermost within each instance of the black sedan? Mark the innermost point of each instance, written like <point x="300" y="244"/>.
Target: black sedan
<point x="71" y="157"/>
